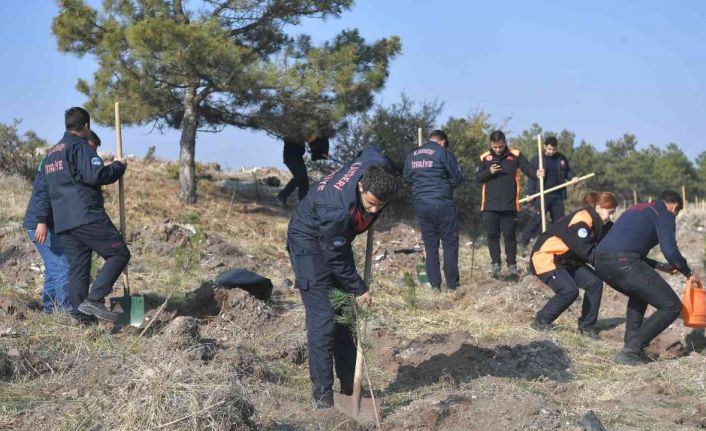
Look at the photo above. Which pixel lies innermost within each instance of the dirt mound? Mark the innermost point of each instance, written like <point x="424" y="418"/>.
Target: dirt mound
<point x="240" y="307"/>
<point x="230" y="305"/>
<point x="456" y="358"/>
<point x="459" y="411"/>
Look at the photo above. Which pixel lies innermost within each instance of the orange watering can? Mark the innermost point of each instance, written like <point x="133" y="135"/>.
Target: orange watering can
<point x="694" y="309"/>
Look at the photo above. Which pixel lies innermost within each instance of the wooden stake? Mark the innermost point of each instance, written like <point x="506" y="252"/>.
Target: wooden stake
<point x="420" y="138"/>
<point x="541" y="184"/>
<point x="683" y="197"/>
<point x="559" y="187"/>
<point x="634" y="197"/>
<point x="121" y="188"/>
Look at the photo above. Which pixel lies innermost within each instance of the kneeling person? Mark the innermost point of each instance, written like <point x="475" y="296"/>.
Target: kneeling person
<point x="559" y="259"/>
<point x="342" y="206"/>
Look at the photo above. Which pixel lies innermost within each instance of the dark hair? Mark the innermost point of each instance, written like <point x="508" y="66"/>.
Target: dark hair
<point x="497" y="136"/>
<point x="439" y="134"/>
<point x="380" y="183"/>
<point x="551" y="141"/>
<point x="93" y="137"/>
<point x="672" y="197"/>
<point x="76" y="118"/>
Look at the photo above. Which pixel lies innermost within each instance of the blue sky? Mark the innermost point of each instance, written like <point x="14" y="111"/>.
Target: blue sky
<point x="597" y="68"/>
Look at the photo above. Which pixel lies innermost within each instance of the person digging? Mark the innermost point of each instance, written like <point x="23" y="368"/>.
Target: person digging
<point x="74" y="175"/>
<point x="321" y="230"/>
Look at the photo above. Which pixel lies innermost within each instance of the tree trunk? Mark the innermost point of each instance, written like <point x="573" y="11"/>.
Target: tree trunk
<point x="187" y="145"/>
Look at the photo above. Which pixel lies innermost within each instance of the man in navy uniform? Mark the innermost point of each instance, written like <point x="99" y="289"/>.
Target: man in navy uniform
<point x="39" y="223"/>
<point x="74" y="174"/>
<point x="622" y="262"/>
<point x="557" y="171"/>
<point x="433" y="172"/>
<point x="498" y="172"/>
<point x="342" y="206"/>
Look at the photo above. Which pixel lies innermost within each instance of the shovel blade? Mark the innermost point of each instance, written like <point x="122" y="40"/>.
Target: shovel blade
<point x="132" y="307"/>
<point x="366" y="413"/>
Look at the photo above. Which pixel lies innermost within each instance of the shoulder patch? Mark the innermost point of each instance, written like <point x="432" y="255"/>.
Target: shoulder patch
<point x="96" y="161"/>
<point x="484" y="155"/>
<point x="583" y="232"/>
<point x="338" y="241"/>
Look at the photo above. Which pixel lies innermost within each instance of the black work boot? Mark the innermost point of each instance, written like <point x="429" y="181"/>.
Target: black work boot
<point x="324" y="401"/>
<point x="512" y="273"/>
<point x="589" y="332"/>
<point x="495" y="271"/>
<point x="96" y="308"/>
<point x="436" y="288"/>
<point x="628" y="357"/>
<point x="541" y="326"/>
<point x="347" y="387"/>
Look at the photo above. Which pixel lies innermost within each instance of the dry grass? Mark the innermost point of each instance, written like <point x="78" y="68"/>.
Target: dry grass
<point x="80" y="378"/>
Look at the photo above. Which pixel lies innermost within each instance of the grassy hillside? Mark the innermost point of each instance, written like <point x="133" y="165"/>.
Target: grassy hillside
<point x="220" y="359"/>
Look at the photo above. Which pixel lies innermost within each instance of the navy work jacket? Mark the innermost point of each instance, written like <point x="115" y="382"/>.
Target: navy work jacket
<point x="433" y="172"/>
<point x="640" y="228"/>
<point x="74" y="175"/>
<point x="326" y="222"/>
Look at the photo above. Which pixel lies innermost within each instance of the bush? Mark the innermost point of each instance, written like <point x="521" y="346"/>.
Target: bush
<point x="18" y="155"/>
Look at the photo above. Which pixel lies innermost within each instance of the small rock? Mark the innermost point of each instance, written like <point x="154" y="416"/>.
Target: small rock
<point x="14" y="353"/>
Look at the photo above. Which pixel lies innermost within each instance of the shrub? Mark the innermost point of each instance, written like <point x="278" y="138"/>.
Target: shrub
<point x="18" y="154"/>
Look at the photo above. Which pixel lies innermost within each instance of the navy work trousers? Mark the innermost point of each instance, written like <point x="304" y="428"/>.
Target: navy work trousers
<point x="103" y="238"/>
<point x="630" y="275"/>
<point x="328" y="342"/>
<point x="565" y="283"/>
<point x="439" y="224"/>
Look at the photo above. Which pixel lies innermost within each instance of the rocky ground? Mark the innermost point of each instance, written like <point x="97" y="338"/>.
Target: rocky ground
<point x="209" y="357"/>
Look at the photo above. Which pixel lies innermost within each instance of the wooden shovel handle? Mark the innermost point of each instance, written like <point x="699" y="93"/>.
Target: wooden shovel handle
<point x="121" y="188"/>
<point x="367" y="274"/>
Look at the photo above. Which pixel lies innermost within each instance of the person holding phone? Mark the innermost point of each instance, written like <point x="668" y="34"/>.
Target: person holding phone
<point x="498" y="173"/>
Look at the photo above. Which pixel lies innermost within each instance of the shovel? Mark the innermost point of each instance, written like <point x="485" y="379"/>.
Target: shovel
<point x="132" y="307"/>
<point x="363" y="410"/>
